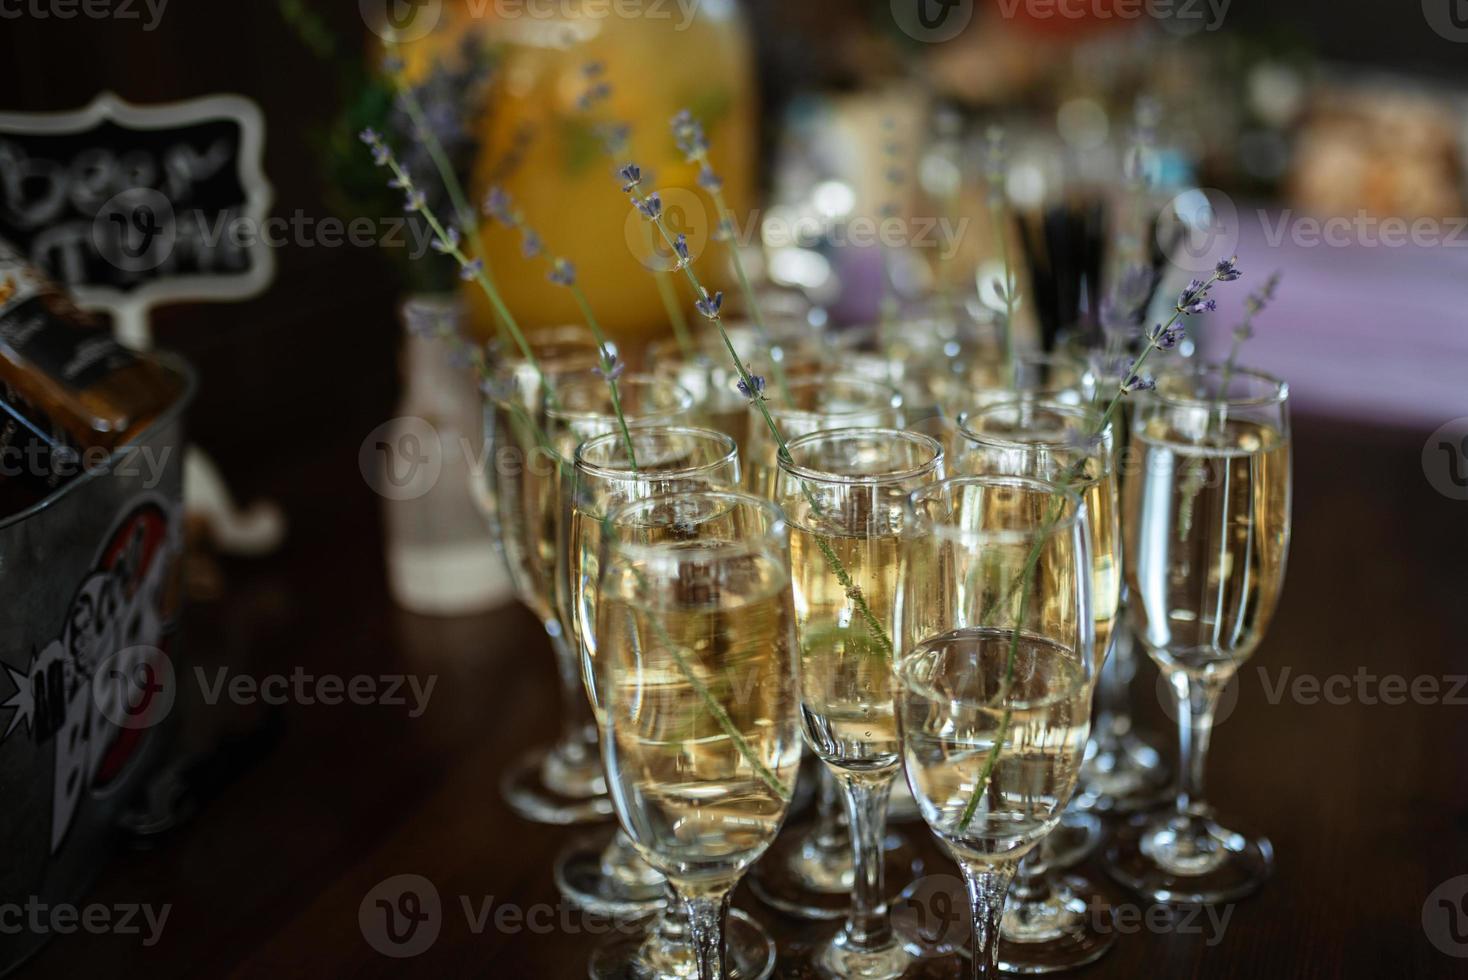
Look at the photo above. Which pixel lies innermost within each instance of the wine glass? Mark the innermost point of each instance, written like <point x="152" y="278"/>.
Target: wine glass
<point x="596" y="874"/>
<point x="695" y="660"/>
<point x="810" y="404"/>
<point x="1207" y="512"/>
<point x="1052" y="922"/>
<point x="994" y="678"/>
<point x="809" y="873"/>
<point x="562" y="784"/>
<point x="669" y="459"/>
<point x="844" y="495"/>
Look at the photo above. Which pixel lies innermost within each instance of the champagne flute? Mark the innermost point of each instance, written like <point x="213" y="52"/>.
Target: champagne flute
<point x="994" y="678"/>
<point x="810" y="873"/>
<point x="1052" y="922"/>
<point x="809" y="404"/>
<point x="695" y="657"/>
<point x="1208" y="522"/>
<point x="563" y="784"/>
<point x="669" y="459"/>
<point x="844" y="494"/>
<point x="599" y="875"/>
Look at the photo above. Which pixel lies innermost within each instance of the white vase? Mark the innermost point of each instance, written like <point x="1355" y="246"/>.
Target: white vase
<point x="442" y="559"/>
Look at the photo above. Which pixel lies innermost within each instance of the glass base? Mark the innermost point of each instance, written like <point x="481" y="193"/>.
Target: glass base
<point x="1070" y="927"/>
<point x="800" y="877"/>
<point x="1125" y="775"/>
<point x="552" y="786"/>
<point x="1187" y="859"/>
<point x="749" y="949"/>
<point x="598" y="876"/>
<point x="837" y="960"/>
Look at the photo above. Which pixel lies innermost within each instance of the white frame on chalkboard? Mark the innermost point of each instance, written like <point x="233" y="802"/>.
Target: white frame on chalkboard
<point x="130" y="309"/>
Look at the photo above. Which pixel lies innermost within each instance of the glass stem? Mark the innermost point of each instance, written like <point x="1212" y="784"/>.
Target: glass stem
<point x="868" y="926"/>
<point x="987" y="883"/>
<point x="830" y="832"/>
<point x="707" y="910"/>
<point x="578" y="730"/>
<point x="1197" y="699"/>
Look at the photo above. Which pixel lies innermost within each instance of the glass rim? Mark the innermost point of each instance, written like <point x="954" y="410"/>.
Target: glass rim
<point x="1066" y="522"/>
<point x="788" y="464"/>
<point x="891" y="394"/>
<point x="776" y="528"/>
<point x="588" y="379"/>
<point x="1046" y="401"/>
<point x="603" y="471"/>
<point x="1279" y="395"/>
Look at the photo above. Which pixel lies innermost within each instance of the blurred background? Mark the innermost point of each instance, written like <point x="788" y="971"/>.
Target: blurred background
<point x="1327" y="141"/>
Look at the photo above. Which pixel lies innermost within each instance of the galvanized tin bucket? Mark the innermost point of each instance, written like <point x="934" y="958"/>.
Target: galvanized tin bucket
<point x="90" y="594"/>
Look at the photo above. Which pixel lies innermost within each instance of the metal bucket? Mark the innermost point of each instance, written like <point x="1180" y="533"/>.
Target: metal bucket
<point x="90" y="595"/>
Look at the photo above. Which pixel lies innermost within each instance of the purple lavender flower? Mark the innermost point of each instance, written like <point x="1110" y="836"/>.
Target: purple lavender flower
<point x="680" y="245"/>
<point x="688" y="132"/>
<point x="593" y="69"/>
<point x="1259" y="301"/>
<point x="710" y="306"/>
<point x="614" y="371"/>
<point x="651" y="206"/>
<point x="1166" y="338"/>
<point x="1194" y="293"/>
<point x="471" y="270"/>
<point x="1140" y="382"/>
<point x="1207" y="306"/>
<point x="631" y="176"/>
<point x="414" y="201"/>
<point x="497" y="206"/>
<point x="1228" y="269"/>
<point x="563" y="273"/>
<point x="754" y="390"/>
<point x="448" y="243"/>
<point x="709" y="180"/>
<point x="593" y="95"/>
<point x="531" y="245"/>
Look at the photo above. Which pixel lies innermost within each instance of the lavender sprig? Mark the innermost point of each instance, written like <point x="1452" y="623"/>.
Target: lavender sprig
<point x="689" y="134"/>
<point x="710" y="305"/>
<point x="614" y="137"/>
<point x="423" y="132"/>
<point x="448" y="242"/>
<point x="1160" y="338"/>
<point x="499" y="207"/>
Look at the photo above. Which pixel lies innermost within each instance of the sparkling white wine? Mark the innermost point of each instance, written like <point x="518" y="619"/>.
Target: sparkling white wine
<point x="701" y="710"/>
<point x="1208" y="528"/>
<point x="845" y="667"/>
<point x="992" y="757"/>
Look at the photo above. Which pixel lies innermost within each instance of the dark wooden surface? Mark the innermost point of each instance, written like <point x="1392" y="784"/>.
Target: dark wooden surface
<point x="1367" y="804"/>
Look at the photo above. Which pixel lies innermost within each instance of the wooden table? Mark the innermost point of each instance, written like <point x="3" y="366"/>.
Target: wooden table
<point x="1367" y="803"/>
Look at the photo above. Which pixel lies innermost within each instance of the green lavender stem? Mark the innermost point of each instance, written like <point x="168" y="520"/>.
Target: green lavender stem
<point x="606" y="370"/>
<point x="480" y="277"/>
<point x="726" y="222"/>
<point x="853" y="591"/>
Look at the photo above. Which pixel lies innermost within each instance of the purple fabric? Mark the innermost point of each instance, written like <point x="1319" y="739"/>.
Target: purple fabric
<point x="1366" y="332"/>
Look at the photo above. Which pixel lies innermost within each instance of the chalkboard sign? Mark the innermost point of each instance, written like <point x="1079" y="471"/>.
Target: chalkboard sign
<point x="133" y="206"/>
